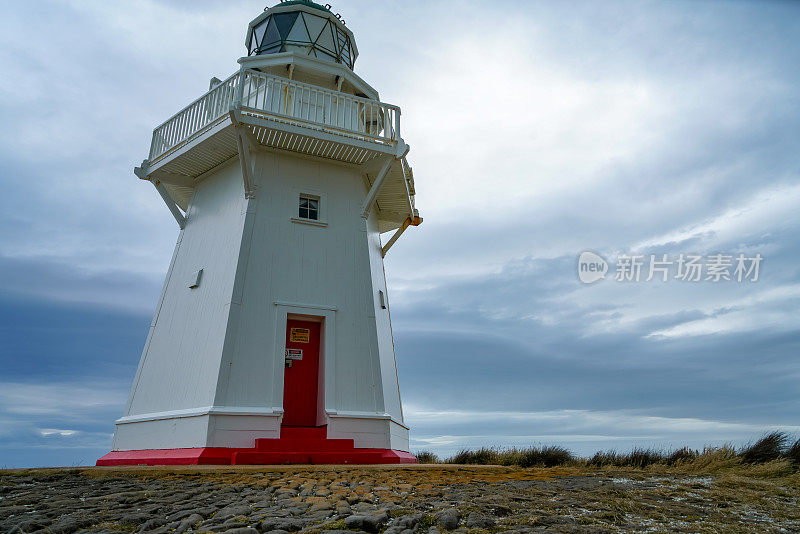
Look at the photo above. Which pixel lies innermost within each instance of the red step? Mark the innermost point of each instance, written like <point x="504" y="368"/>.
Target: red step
<point x="195" y="456"/>
<point x="303" y="445"/>
<point x="304" y="432"/>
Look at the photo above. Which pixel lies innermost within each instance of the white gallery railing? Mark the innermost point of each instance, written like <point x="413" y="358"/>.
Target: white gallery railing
<point x="284" y="100"/>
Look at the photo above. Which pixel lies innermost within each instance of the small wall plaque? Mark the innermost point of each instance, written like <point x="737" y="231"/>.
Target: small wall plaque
<point x="194" y="280"/>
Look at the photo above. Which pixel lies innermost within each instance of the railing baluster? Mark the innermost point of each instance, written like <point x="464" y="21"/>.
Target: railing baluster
<point x="185" y="124"/>
<point x="172" y="129"/>
<point x="183" y="127"/>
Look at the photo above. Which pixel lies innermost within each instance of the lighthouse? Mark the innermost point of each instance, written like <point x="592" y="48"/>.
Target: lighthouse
<point x="272" y="341"/>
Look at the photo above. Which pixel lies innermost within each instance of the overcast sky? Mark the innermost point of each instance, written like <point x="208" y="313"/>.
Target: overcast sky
<point x="538" y="130"/>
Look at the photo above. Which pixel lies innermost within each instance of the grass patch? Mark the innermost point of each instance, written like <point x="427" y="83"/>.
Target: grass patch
<point x="774" y="454"/>
<point x="793" y="454"/>
<point x="427" y="457"/>
<point x="637" y="458"/>
<point x="426" y="522"/>
<point x="482" y="456"/>
<point x="770" y="447"/>
<point x="547" y="456"/>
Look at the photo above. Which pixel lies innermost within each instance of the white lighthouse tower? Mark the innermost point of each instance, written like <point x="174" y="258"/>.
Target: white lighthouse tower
<point x="271" y="341"/>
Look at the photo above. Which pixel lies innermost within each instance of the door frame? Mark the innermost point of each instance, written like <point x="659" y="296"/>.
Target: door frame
<point x="326" y="315"/>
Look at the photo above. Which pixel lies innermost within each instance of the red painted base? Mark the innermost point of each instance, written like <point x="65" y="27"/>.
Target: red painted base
<point x="297" y="445"/>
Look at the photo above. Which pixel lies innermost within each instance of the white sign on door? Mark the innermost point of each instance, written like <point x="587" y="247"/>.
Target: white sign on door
<point x="294" y="354"/>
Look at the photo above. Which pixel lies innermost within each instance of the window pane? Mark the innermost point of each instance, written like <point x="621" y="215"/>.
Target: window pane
<point x="258" y="33"/>
<point x="298" y="32"/>
<point x="315" y="25"/>
<point x="284" y="22"/>
<point x="253" y="44"/>
<point x="308" y="208"/>
<point x="326" y="41"/>
<point x="272" y="35"/>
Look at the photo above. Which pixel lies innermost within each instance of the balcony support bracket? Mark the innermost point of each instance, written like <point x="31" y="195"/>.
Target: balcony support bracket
<point x="372" y="195"/>
<point x="410" y="221"/>
<point x="245" y="146"/>
<point x="180" y="218"/>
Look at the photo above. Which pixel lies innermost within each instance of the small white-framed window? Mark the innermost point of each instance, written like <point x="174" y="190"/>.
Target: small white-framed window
<point x="308" y="207"/>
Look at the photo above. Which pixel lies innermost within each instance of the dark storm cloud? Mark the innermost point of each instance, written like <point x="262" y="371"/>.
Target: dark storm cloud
<point x="66" y="368"/>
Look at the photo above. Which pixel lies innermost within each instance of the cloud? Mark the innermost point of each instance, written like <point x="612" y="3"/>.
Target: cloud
<point x="59" y="281"/>
<point x="65" y="401"/>
<point x="58" y="432"/>
<point x="61" y="423"/>
<point x="771" y="209"/>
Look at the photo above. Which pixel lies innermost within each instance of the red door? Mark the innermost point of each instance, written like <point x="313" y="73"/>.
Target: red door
<point x="301" y="373"/>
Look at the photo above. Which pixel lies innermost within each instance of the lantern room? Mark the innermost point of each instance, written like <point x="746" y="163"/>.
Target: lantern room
<point x="303" y="27"/>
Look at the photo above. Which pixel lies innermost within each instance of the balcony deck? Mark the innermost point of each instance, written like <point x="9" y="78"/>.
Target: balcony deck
<point x="285" y="115"/>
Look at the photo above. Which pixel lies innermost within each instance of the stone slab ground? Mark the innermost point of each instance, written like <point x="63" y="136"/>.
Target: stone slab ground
<point x="424" y="499"/>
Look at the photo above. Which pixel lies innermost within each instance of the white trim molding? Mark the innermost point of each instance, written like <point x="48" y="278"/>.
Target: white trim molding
<point x="198" y="412"/>
<point x="301" y="305"/>
<point x="364" y="415"/>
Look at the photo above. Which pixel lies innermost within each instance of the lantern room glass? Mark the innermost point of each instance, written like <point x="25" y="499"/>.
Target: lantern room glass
<point x="302" y="32"/>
